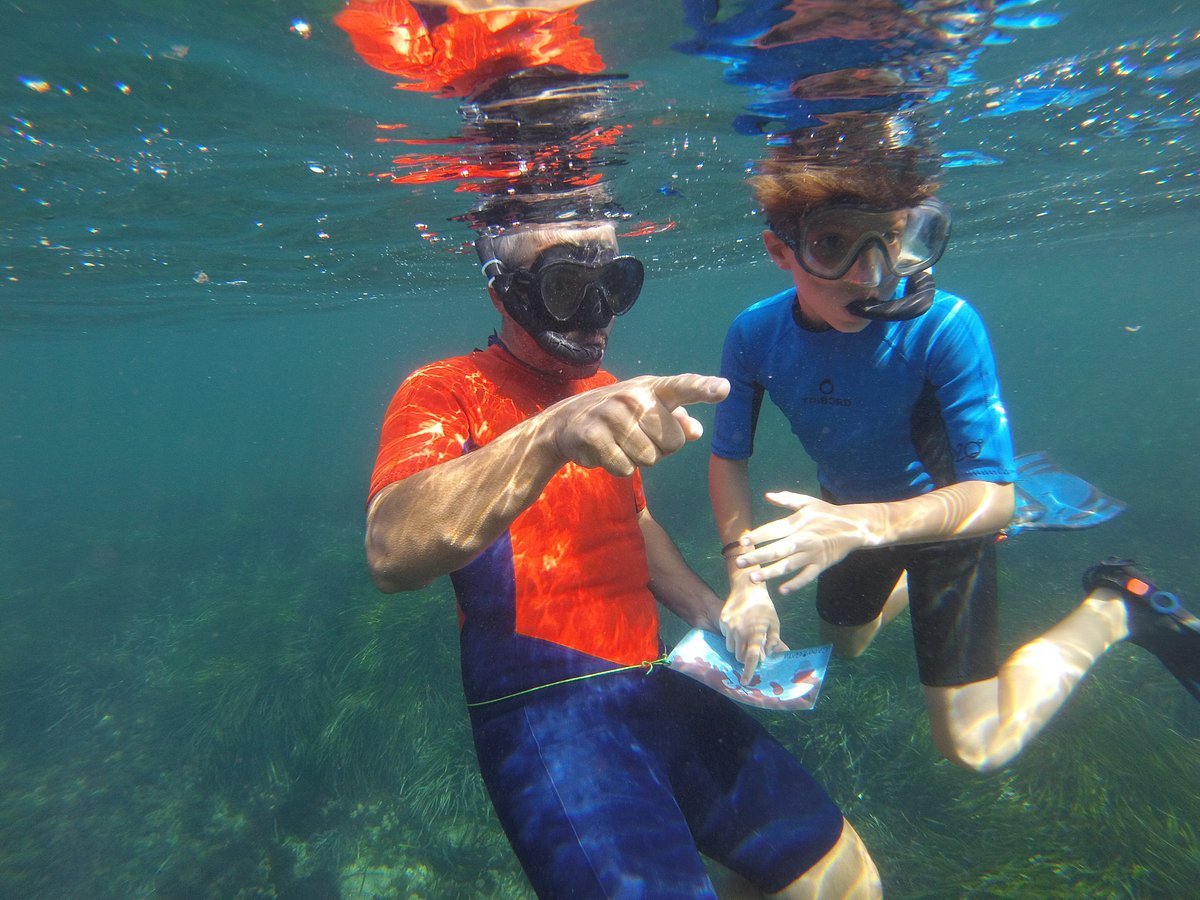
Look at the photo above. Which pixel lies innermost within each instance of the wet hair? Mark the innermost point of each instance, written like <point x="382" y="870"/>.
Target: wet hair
<point x="534" y="200"/>
<point x="871" y="166"/>
<point x="519" y="247"/>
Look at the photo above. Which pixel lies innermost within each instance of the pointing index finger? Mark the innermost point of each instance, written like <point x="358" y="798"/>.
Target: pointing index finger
<point x="677" y="390"/>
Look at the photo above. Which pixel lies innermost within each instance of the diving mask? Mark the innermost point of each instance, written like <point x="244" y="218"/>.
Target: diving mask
<point x="569" y="288"/>
<point x="564" y="276"/>
<point x="829" y="241"/>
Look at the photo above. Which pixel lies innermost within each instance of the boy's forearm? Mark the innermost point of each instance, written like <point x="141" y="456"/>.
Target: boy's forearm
<point x="963" y="510"/>
<point x="729" y="492"/>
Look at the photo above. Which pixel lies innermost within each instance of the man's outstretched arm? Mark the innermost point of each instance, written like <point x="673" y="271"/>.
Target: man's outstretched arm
<point x="439" y="519"/>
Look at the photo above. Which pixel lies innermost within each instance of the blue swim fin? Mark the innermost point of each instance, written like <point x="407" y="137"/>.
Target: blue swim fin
<point x="1048" y="497"/>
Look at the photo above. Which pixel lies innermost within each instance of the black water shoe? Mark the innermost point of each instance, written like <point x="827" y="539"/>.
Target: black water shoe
<point x="1157" y="619"/>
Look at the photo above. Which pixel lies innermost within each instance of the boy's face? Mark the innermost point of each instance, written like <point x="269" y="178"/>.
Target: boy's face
<point x="824" y="303"/>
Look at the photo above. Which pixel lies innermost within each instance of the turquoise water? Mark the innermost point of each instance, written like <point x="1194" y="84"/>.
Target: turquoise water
<point x="206" y="302"/>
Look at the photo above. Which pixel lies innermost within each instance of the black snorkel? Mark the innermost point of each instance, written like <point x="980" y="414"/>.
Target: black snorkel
<point x="919" y="291"/>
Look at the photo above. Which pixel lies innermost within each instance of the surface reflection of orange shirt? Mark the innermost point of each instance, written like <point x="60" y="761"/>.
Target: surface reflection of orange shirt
<point x="453" y="53"/>
<point x="564" y="591"/>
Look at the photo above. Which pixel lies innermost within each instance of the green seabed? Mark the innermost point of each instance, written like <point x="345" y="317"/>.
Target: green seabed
<point x="274" y="727"/>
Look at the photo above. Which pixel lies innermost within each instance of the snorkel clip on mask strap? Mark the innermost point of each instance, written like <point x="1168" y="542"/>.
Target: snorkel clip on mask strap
<point x="487" y="259"/>
<point x="918" y="295"/>
<point x="499" y="280"/>
<point x="491" y="276"/>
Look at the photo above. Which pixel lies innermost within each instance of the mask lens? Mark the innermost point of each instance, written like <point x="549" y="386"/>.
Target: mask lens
<point x="926" y="233"/>
<point x="830" y="242"/>
<point x="622" y="282"/>
<point x="564" y="285"/>
<point x="833" y="237"/>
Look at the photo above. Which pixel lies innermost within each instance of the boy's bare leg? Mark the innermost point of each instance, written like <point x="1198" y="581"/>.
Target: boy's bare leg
<point x="846" y="871"/>
<point x="983" y="725"/>
<point x="850" y="641"/>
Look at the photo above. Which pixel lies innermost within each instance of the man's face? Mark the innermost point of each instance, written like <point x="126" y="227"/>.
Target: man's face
<point x="573" y="348"/>
<point x="825" y="303"/>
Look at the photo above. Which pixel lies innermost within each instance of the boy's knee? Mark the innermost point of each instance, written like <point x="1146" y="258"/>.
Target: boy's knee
<point x="851" y="649"/>
<point x="964" y="753"/>
<point x="965" y="726"/>
<point x="849" y="641"/>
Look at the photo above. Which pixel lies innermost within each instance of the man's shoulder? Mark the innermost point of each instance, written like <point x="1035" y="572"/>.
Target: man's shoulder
<point x="448" y="372"/>
<point x="448" y="367"/>
<point x="494" y="373"/>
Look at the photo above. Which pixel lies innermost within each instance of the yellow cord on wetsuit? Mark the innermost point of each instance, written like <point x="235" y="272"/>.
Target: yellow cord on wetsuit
<point x="647" y="666"/>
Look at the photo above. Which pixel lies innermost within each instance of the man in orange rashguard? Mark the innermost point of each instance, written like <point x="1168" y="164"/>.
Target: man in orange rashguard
<point x="515" y="470"/>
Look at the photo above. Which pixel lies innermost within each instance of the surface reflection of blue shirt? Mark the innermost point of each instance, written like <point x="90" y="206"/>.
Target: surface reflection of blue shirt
<point x="896" y="410"/>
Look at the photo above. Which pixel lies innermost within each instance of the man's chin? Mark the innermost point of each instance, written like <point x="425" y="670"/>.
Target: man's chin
<point x="582" y="352"/>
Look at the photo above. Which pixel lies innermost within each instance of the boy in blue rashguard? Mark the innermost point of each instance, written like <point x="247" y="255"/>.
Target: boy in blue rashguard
<point x="891" y="387"/>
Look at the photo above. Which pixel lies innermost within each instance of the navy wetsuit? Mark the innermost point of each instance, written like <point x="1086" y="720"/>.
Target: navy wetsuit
<point x="891" y="412"/>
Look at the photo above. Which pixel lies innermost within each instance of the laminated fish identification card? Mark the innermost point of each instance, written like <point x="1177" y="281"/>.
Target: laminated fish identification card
<point x="788" y="680"/>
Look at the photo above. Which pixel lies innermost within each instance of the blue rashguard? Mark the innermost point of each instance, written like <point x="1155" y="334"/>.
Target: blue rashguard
<point x="891" y="412"/>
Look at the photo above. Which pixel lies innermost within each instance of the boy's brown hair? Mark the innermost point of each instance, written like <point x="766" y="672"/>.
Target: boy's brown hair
<point x="861" y="167"/>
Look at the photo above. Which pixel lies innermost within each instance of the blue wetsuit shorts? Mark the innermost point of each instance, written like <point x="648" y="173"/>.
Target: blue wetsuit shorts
<point x="610" y="786"/>
<point x="952" y="600"/>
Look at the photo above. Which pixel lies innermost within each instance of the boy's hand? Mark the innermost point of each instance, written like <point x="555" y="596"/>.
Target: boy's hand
<point x="813" y="538"/>
<point x="751" y="626"/>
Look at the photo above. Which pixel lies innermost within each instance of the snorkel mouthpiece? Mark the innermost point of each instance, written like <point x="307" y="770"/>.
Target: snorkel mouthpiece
<point x="561" y="347"/>
<point x="593" y="315"/>
<point x="919" y="291"/>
